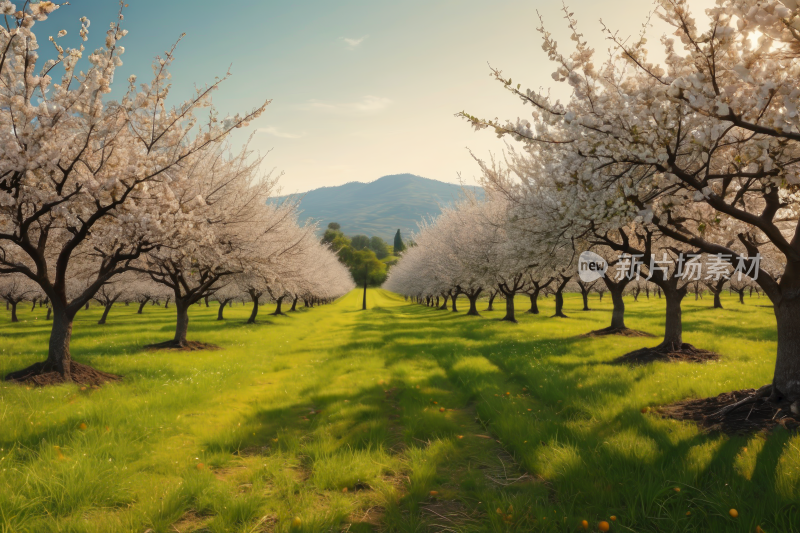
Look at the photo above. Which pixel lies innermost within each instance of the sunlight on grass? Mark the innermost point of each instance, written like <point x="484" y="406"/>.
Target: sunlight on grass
<point x="401" y="418"/>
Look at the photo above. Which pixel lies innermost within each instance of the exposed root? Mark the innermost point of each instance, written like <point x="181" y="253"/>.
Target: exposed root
<point x="41" y="375"/>
<point x="190" y="346"/>
<point x="687" y="353"/>
<point x="622" y="332"/>
<point x="736" y="413"/>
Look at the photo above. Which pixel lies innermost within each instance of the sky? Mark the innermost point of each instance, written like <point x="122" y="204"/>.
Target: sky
<point x="359" y="89"/>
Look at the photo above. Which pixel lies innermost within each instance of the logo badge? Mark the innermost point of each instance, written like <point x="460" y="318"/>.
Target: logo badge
<point x="591" y="267"/>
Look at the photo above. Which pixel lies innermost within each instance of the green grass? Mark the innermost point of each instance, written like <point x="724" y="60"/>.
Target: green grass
<point x="293" y="410"/>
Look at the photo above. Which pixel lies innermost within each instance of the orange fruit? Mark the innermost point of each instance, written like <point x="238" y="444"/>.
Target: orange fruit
<point x="344" y="489"/>
<point x="603" y="526"/>
<point x="83" y="426"/>
<point x="433" y="493"/>
<point x="296" y="522"/>
<point x="508" y="394"/>
<point x="585" y="524"/>
<point x="734" y="513"/>
<point x="613" y="518"/>
<point x="460" y="437"/>
<point x="677" y="489"/>
<point x="441" y="409"/>
<point x="688" y="513"/>
<point x="200" y="466"/>
<point x="759" y="530"/>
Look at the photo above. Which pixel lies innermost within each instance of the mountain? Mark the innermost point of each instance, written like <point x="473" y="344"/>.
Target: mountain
<point x="380" y="207"/>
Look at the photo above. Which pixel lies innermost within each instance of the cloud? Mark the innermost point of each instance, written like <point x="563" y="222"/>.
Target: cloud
<point x="353" y="43"/>
<point x="368" y="104"/>
<point x="275" y="132"/>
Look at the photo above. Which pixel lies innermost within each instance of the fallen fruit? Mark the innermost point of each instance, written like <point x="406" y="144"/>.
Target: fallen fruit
<point x="433" y="493"/>
<point x="508" y="394"/>
<point x="344" y="489"/>
<point x="603" y="526"/>
<point x="759" y="530"/>
<point x="677" y="489"/>
<point x="688" y="513"/>
<point x="296" y="522"/>
<point x="734" y="513"/>
<point x="461" y="436"/>
<point x="200" y="466"/>
<point x="613" y="518"/>
<point x="585" y="524"/>
<point x="441" y="409"/>
<point x="83" y="426"/>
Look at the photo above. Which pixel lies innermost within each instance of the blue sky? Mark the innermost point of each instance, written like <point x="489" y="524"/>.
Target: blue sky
<point x="360" y="89"/>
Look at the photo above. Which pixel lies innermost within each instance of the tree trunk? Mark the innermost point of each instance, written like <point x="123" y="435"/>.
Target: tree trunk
<point x="443" y="307"/>
<point x="366" y="278"/>
<point x="205" y="299"/>
<point x="534" y="302"/>
<point x="673" y="327"/>
<point x="510" y="317"/>
<point x="49" y="313"/>
<point x="585" y="295"/>
<point x="741" y="296"/>
<point x="255" y="296"/>
<point x="14" y="312"/>
<point x="618" y="313"/>
<point x="34" y="306"/>
<point x="87" y="306"/>
<point x="58" y="357"/>
<point x="473" y="303"/>
<point x="717" y="301"/>
<point x="141" y="306"/>
<point x="560" y="304"/>
<point x="491" y="301"/>
<point x="278" y="311"/>
<point x="220" y="311"/>
<point x="182" y="323"/>
<point x="294" y="304"/>
<point x="787" y="366"/>
<point x="454" y="300"/>
<point x="105" y="313"/>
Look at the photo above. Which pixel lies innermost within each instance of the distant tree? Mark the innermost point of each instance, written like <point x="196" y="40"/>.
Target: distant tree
<point x="336" y="239"/>
<point x="379" y="246"/>
<point x="359" y="260"/>
<point x="334" y="226"/>
<point x="398" y="243"/>
<point x="359" y="242"/>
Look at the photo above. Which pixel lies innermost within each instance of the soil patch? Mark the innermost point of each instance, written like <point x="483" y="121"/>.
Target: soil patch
<point x="687" y="353"/>
<point x="622" y="332"/>
<point x="40" y="375"/>
<point x="191" y="346"/>
<point x="757" y="414"/>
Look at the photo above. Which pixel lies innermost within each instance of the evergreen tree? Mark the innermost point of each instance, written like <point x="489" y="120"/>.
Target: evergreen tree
<point x="398" y="243"/>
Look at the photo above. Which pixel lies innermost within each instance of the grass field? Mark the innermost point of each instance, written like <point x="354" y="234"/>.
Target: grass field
<point x="333" y="419"/>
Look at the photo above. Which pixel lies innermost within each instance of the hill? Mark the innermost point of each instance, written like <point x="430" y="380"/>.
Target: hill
<point x="380" y="207"/>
